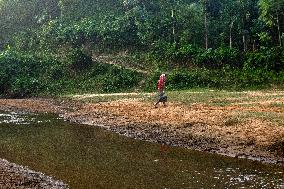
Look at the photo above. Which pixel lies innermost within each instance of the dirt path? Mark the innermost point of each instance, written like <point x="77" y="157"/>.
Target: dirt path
<point x="116" y="60"/>
<point x="86" y="96"/>
<point x="232" y="129"/>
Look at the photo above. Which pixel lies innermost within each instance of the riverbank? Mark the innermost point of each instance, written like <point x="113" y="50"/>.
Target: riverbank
<point x="242" y="125"/>
<point x="15" y="176"/>
<point x="237" y="124"/>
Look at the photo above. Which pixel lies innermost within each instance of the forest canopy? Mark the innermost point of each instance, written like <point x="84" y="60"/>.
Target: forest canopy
<point x="241" y="24"/>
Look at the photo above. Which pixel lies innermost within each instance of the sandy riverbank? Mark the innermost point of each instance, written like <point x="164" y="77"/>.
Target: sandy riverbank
<point x="205" y="127"/>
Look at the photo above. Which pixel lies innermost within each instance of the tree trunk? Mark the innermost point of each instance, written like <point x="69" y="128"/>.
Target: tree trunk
<point x="231" y="37"/>
<point x="244" y="36"/>
<point x="253" y="46"/>
<point x="278" y="28"/>
<point x="231" y="40"/>
<point x="244" y="42"/>
<point x="206" y="25"/>
<point x="173" y="29"/>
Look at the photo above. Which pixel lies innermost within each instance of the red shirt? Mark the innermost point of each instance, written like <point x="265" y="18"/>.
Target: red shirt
<point x="161" y="82"/>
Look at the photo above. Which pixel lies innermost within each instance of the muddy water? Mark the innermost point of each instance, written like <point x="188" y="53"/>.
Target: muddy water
<point x="86" y="157"/>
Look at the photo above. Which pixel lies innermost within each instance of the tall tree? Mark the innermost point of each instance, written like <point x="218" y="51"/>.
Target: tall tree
<point x="272" y="13"/>
<point x="230" y="18"/>
<point x="205" y="12"/>
<point x="21" y="16"/>
<point x="78" y="9"/>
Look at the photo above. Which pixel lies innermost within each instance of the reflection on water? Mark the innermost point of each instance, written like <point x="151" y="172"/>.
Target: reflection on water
<point x="88" y="157"/>
<point x="14" y="118"/>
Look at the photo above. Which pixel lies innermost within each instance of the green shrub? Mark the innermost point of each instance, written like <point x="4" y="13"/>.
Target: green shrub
<point x="23" y="74"/>
<point x="77" y="60"/>
<point x="25" y="87"/>
<point x="219" y="58"/>
<point x="118" y="79"/>
<point x="268" y="59"/>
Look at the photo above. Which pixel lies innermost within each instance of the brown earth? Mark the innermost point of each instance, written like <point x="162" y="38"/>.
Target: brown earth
<point x="218" y="129"/>
<point x="13" y="176"/>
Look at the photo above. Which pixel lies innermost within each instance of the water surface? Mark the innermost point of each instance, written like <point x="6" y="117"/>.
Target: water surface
<point x="87" y="157"/>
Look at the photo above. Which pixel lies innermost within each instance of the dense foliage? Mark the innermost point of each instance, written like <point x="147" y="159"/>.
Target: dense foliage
<point x="25" y="75"/>
<point x="48" y="47"/>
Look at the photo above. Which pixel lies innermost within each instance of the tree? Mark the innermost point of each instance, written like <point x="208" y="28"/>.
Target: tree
<point x="230" y="19"/>
<point x="22" y="16"/>
<point x="272" y="13"/>
<point x="77" y="9"/>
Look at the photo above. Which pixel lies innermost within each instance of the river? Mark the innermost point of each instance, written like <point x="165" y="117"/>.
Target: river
<point x="88" y="157"/>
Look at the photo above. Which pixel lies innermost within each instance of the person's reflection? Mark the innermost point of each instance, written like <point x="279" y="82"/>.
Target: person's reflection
<point x="164" y="149"/>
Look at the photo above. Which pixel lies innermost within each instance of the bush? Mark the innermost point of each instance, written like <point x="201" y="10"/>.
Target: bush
<point x="77" y="60"/>
<point x="268" y="59"/>
<point x="23" y="74"/>
<point x="18" y="74"/>
<point x="25" y="87"/>
<point x="219" y="58"/>
<point x="118" y="79"/>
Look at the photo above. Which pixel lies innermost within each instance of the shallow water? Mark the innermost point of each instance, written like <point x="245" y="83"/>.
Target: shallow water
<point x="87" y="157"/>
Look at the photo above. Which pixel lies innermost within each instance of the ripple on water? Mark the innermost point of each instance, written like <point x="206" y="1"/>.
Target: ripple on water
<point x="251" y="179"/>
<point x="20" y="118"/>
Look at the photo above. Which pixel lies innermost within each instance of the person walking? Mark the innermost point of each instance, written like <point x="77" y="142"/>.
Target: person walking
<point x="161" y="90"/>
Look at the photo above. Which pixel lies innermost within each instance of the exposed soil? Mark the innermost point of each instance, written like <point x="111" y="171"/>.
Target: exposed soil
<point x="217" y="129"/>
<point x="13" y="176"/>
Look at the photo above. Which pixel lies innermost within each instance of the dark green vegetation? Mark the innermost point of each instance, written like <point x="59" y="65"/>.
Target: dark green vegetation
<point x="66" y="46"/>
<point x="29" y="75"/>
